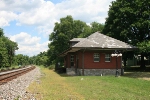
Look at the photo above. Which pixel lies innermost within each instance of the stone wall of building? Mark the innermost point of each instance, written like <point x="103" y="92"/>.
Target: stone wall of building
<point x="70" y="71"/>
<point x="98" y="72"/>
<point x="92" y="72"/>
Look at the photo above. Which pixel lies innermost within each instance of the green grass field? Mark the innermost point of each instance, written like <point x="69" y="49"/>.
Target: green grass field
<point x="53" y="86"/>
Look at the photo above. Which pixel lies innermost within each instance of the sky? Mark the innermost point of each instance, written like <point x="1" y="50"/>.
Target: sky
<point x="30" y="22"/>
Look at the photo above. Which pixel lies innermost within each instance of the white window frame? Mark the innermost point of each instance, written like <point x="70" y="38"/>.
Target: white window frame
<point x="107" y="57"/>
<point x="96" y="56"/>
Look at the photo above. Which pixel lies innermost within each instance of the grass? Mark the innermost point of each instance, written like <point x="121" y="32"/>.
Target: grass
<point x="52" y="86"/>
<point x="9" y="68"/>
<point x="110" y="87"/>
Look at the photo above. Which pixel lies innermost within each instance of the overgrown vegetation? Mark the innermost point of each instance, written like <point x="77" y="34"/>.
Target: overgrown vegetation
<point x="129" y="21"/>
<point x="8" y="58"/>
<point x="65" y="30"/>
<point x="60" y="86"/>
<point x="7" y="50"/>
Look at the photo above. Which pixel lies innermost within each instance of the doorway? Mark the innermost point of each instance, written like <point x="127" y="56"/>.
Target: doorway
<point x="72" y="61"/>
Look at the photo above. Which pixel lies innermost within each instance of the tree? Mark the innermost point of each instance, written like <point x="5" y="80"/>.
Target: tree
<point x="7" y="50"/>
<point x="67" y="29"/>
<point x="22" y="60"/>
<point x="11" y="46"/>
<point x="96" y="27"/>
<point x="144" y="47"/>
<point x="3" y="54"/>
<point x="1" y="32"/>
<point x="40" y="59"/>
<point x="129" y="21"/>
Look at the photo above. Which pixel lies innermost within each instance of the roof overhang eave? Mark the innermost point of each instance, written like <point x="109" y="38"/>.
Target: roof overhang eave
<point x="69" y="50"/>
<point x="100" y="48"/>
<point x="74" y="49"/>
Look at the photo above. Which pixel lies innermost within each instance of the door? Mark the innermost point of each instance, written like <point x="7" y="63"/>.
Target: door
<point x="72" y="60"/>
<point x="77" y="60"/>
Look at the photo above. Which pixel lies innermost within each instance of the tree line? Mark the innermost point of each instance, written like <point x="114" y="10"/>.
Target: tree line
<point x="8" y="58"/>
<point x="128" y="21"/>
<point x="65" y="30"/>
<point x="7" y="50"/>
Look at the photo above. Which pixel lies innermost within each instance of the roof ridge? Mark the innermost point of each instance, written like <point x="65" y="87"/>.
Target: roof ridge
<point x="98" y="39"/>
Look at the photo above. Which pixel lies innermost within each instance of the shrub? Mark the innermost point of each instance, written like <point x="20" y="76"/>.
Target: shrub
<point x="61" y="70"/>
<point x="51" y="67"/>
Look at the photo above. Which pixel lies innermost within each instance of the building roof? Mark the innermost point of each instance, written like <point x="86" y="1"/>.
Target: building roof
<point x="99" y="40"/>
<point x="77" y="39"/>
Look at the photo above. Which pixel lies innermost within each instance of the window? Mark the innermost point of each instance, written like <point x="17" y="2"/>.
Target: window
<point x="107" y="57"/>
<point x="96" y="57"/>
<point x="72" y="44"/>
<point x="72" y="58"/>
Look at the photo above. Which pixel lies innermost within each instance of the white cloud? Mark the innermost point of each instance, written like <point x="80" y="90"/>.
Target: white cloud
<point x="42" y="15"/>
<point x="29" y="45"/>
<point x="19" y="6"/>
<point x="25" y="39"/>
<point x="33" y="49"/>
<point x="85" y="10"/>
<point x="4" y="22"/>
<point x="6" y="17"/>
<point x="46" y="14"/>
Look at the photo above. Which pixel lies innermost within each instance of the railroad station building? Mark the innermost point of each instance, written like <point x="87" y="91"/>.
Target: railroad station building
<point x="95" y="55"/>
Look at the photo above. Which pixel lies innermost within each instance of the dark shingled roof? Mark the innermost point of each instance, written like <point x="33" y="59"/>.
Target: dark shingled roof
<point x="77" y="39"/>
<point x="99" y="40"/>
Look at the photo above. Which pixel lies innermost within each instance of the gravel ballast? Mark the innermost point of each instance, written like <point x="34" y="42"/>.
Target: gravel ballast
<point x="16" y="89"/>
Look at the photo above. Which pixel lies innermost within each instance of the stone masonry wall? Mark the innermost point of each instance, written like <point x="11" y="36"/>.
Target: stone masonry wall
<point x="98" y="72"/>
<point x="92" y="72"/>
<point x="70" y="71"/>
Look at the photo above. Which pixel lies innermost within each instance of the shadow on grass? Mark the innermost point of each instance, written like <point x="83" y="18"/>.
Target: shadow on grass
<point x="62" y="74"/>
<point x="137" y="72"/>
<point x="136" y="69"/>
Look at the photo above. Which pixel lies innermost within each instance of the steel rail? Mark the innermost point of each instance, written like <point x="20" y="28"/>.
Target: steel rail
<point x="9" y="75"/>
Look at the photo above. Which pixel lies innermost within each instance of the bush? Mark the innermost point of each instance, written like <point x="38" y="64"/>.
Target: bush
<point x="51" y="67"/>
<point x="61" y="70"/>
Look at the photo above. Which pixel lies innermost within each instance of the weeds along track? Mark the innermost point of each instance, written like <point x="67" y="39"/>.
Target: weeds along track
<point x="9" y="75"/>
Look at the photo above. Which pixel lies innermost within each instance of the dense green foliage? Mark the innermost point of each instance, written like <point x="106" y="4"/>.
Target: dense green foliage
<point x="9" y="59"/>
<point x="40" y="59"/>
<point x="67" y="29"/>
<point x="7" y="50"/>
<point x="21" y="60"/>
<point x="129" y="21"/>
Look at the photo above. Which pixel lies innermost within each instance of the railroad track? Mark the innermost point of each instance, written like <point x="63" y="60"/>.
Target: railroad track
<point x="9" y="75"/>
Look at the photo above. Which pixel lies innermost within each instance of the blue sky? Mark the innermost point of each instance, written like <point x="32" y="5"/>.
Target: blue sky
<point x="30" y="22"/>
<point x="55" y="1"/>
